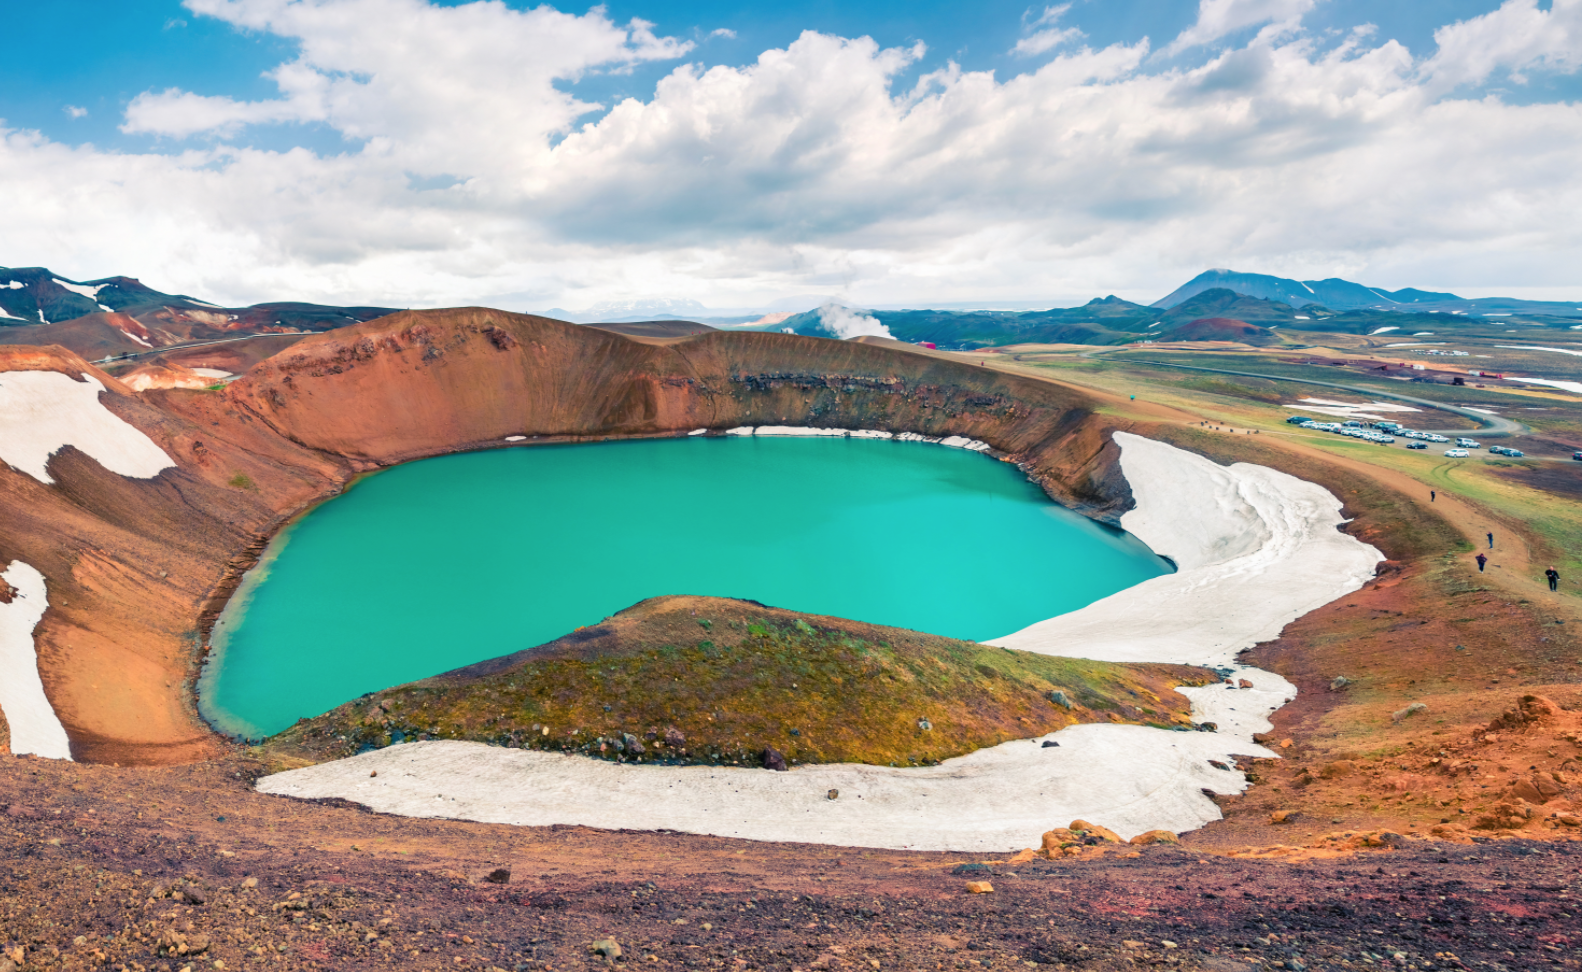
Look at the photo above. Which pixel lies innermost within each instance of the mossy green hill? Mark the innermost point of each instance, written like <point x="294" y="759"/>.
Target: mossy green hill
<point x="714" y="680"/>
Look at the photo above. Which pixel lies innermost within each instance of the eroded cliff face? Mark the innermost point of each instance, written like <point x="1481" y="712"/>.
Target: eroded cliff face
<point x="138" y="568"/>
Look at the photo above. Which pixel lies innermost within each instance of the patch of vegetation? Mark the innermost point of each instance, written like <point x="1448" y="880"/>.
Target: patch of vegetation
<point x="643" y="687"/>
<point x="241" y="481"/>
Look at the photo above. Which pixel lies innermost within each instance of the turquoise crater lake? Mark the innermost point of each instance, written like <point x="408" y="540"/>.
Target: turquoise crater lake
<point x="440" y="563"/>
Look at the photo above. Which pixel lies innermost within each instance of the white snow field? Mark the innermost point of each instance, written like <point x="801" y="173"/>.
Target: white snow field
<point x="34" y="726"/>
<point x="1255" y="549"/>
<point x="42" y="412"/>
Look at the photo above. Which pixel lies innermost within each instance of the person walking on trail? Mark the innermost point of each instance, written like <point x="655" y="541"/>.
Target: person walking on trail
<point x="1491" y="541"/>
<point x="1482" y="559"/>
<point x="1554" y="578"/>
<point x="1432" y="496"/>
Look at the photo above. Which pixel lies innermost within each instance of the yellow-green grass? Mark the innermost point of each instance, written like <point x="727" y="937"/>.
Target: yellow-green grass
<point x="726" y="680"/>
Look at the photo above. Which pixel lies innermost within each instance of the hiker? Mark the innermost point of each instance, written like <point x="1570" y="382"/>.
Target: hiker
<point x="1482" y="559"/>
<point x="1554" y="578"/>
<point x="1432" y="496"/>
<point x="1491" y="541"/>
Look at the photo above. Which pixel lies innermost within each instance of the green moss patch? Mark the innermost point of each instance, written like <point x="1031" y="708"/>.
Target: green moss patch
<point x="718" y="681"/>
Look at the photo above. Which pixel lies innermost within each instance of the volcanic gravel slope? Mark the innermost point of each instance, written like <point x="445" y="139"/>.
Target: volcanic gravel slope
<point x="186" y="867"/>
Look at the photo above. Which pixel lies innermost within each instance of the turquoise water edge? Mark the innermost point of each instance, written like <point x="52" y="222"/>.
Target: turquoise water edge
<point x="443" y="562"/>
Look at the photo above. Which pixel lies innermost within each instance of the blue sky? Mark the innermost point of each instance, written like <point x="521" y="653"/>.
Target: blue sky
<point x="417" y="153"/>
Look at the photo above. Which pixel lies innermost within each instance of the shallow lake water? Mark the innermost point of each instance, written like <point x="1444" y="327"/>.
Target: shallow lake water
<point x="448" y="561"/>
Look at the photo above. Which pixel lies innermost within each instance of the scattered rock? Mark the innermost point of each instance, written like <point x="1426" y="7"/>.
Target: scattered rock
<point x="925" y="725"/>
<point x="979" y="887"/>
<point x="1340" y="767"/>
<point x="1243" y="683"/>
<point x="632" y="744"/>
<point x="607" y="947"/>
<point x="1022" y="856"/>
<point x="971" y="867"/>
<point x="1060" y="698"/>
<point x="1208" y="727"/>
<point x="1155" y="837"/>
<point x="500" y="875"/>
<point x="1050" y="744"/>
<point x="193" y="894"/>
<point x="251" y="882"/>
<point x="1408" y="712"/>
<point x="1219" y="765"/>
<point x="674" y="738"/>
<point x="373" y="774"/>
<point x="833" y="794"/>
<point x="1282" y="816"/>
<point x="774" y="759"/>
<point x="1339" y="683"/>
<point x="1286" y="744"/>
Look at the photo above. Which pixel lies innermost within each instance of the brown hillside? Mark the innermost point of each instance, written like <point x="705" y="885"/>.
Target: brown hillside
<point x="1221" y="329"/>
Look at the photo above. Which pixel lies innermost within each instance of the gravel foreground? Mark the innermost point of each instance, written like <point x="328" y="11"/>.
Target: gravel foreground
<point x="188" y="868"/>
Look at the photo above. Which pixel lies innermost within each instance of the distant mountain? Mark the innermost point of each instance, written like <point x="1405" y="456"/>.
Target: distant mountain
<point x="117" y="315"/>
<point x="1344" y="295"/>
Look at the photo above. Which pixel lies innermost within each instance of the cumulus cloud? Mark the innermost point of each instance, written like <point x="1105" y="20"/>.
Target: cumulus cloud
<point x="474" y="169"/>
<point x="1517" y="37"/>
<point x="843" y="322"/>
<point x="1217" y="18"/>
<point x="75" y="112"/>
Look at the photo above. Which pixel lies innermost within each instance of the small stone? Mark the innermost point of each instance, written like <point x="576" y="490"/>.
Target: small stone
<point x="924" y="725"/>
<point x="832" y="795"/>
<point x="1022" y="856"/>
<point x="1060" y="698"/>
<point x="1282" y="816"/>
<point x="373" y="774"/>
<point x="193" y="894"/>
<point x="774" y="759"/>
<point x="251" y="882"/>
<point x="674" y="738"/>
<point x="1286" y="744"/>
<point x="1408" y="712"/>
<point x="1155" y="837"/>
<point x="1339" y="683"/>
<point x="979" y="887"/>
<point x="1167" y="943"/>
<point x="1050" y="744"/>
<point x="500" y="875"/>
<point x="608" y="948"/>
<point x="631" y="743"/>
<point x="1243" y="683"/>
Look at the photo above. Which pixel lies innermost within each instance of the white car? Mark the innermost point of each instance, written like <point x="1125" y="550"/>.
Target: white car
<point x="1455" y="453"/>
<point x="1466" y="443"/>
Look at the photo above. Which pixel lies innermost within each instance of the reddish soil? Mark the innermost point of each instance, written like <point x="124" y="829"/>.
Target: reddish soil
<point x="186" y="867"/>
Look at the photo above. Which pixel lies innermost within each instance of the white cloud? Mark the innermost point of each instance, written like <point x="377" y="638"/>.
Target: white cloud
<point x="808" y="170"/>
<point x="1043" y="34"/>
<point x="1517" y="37"/>
<point x="1217" y="18"/>
<point x="75" y="112"/>
<point x="724" y="32"/>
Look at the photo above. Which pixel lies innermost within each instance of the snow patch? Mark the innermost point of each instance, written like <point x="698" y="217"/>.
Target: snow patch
<point x="1575" y="387"/>
<point x="10" y="316"/>
<point x="34" y="726"/>
<point x="1383" y="330"/>
<point x="1533" y="347"/>
<point x="18" y="285"/>
<point x="42" y="412"/>
<point x="91" y="293"/>
<point x="134" y="337"/>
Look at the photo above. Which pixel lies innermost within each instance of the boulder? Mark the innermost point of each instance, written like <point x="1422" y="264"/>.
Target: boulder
<point x="1094" y="830"/>
<point x="674" y="738"/>
<point x="1408" y="712"/>
<point x="606" y="947"/>
<point x="979" y="887"/>
<point x="1060" y="698"/>
<point x="1530" y="710"/>
<point x="774" y="759"/>
<point x="1155" y="837"/>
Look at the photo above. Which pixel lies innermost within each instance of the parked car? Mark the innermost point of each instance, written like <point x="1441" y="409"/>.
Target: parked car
<point x="1417" y="445"/>
<point x="1577" y="456"/>
<point x="1515" y="453"/>
<point x="1456" y="453"/>
<point x="1466" y="443"/>
<point x="1298" y="420"/>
